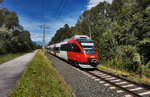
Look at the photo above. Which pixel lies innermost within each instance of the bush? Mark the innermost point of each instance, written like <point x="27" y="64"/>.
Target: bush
<point x="144" y="70"/>
<point x="136" y="61"/>
<point x="126" y="57"/>
<point x="148" y="64"/>
<point x="26" y="47"/>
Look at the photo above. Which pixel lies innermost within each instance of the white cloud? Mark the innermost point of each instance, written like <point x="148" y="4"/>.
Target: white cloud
<point x="93" y="3"/>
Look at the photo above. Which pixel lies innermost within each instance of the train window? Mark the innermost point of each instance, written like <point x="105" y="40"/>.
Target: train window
<point x="87" y="45"/>
<point x="63" y="47"/>
<point x="75" y="48"/>
<point x="70" y="47"/>
<point x="56" y="49"/>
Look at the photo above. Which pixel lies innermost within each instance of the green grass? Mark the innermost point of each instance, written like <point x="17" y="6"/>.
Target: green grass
<point x="7" y="57"/>
<point x="41" y="80"/>
<point x="130" y="75"/>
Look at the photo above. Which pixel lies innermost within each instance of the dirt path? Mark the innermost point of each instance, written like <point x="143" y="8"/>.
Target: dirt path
<point x="11" y="71"/>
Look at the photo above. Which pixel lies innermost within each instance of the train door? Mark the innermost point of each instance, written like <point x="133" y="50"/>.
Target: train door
<point x="63" y="51"/>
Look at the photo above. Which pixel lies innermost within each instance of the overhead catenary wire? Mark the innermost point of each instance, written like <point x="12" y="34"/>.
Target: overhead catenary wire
<point x="57" y="10"/>
<point x="60" y="12"/>
<point x="55" y="15"/>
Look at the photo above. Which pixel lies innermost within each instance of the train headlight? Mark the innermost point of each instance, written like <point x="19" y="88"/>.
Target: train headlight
<point x="92" y="60"/>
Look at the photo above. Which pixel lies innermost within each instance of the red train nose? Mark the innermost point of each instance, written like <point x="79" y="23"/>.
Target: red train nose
<point x="92" y="60"/>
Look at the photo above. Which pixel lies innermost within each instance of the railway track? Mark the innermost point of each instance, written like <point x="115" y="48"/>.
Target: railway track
<point x="133" y="89"/>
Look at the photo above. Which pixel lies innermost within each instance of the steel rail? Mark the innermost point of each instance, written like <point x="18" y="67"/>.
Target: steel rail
<point x="131" y="82"/>
<point x="113" y="84"/>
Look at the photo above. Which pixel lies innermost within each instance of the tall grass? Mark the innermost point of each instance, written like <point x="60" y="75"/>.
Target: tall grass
<point x="7" y="57"/>
<point x="131" y="75"/>
<point x="127" y="65"/>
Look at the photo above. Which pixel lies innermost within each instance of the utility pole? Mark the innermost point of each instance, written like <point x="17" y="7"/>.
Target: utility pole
<point x="44" y="26"/>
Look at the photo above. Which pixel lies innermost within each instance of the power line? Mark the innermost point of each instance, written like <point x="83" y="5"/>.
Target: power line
<point x="55" y="15"/>
<point x="57" y="10"/>
<point x="59" y="13"/>
<point x="59" y="6"/>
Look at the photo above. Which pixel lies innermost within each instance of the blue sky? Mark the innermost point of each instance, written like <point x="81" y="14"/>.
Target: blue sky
<point x="33" y="13"/>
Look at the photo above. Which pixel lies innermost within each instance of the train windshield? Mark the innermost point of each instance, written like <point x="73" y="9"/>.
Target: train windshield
<point x="87" y="45"/>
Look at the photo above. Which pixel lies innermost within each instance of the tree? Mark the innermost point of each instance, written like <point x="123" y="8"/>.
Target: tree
<point x="121" y="31"/>
<point x="22" y="42"/>
<point x="84" y="27"/>
<point x="9" y="20"/>
<point x="1" y="18"/>
<point x="5" y="41"/>
<point x="62" y="34"/>
<point x="12" y="36"/>
<point x="1" y="1"/>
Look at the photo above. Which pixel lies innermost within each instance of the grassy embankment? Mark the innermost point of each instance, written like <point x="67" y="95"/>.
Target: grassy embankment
<point x="7" y="57"/>
<point x="130" y="75"/>
<point x="41" y="80"/>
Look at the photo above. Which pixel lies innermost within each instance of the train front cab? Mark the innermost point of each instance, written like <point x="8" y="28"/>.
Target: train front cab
<point x="83" y="53"/>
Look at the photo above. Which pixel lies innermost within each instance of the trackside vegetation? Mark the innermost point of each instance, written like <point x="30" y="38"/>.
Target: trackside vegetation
<point x="7" y="57"/>
<point x="130" y="75"/>
<point x="13" y="37"/>
<point x="41" y="80"/>
<point x="121" y="31"/>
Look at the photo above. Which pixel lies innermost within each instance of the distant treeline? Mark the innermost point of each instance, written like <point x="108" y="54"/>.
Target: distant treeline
<point x="121" y="31"/>
<point x="13" y="38"/>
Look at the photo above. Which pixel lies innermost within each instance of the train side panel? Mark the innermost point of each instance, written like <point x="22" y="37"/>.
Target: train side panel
<point x="63" y="54"/>
<point x="77" y="56"/>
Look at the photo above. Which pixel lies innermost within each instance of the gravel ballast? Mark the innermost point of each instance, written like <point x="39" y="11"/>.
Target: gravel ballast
<point x="81" y="84"/>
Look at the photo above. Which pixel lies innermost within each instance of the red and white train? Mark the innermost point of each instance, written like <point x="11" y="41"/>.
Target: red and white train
<point x="79" y="49"/>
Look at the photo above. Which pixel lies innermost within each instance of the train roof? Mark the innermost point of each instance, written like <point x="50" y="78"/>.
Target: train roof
<point x="73" y="37"/>
<point x="77" y="37"/>
<point x="80" y="37"/>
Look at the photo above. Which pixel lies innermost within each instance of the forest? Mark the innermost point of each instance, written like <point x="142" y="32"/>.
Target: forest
<point x="13" y="38"/>
<point x="121" y="31"/>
